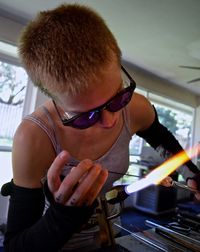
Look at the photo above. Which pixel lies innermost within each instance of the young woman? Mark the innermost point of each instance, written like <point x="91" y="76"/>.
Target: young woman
<point x="92" y="113"/>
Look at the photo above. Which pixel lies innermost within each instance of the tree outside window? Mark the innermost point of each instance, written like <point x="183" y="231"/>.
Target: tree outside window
<point x="178" y="122"/>
<point x="13" y="81"/>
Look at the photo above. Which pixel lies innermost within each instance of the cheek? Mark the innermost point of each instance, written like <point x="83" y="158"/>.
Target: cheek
<point x="116" y="117"/>
<point x="118" y="114"/>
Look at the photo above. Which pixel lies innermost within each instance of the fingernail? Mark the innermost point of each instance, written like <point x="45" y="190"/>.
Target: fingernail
<point x="58" y="198"/>
<point x="62" y="154"/>
<point x="73" y="201"/>
<point x="88" y="163"/>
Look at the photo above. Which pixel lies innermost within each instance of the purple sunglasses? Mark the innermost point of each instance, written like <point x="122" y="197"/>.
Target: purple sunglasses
<point x="87" y="119"/>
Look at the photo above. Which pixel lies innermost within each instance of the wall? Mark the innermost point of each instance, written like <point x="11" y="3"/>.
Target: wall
<point x="9" y="30"/>
<point x="160" y="86"/>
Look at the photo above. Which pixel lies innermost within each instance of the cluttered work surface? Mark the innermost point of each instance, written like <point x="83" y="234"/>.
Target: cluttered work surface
<point x="174" y="232"/>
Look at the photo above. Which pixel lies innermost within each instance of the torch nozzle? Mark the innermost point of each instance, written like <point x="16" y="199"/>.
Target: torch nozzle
<point x="116" y="195"/>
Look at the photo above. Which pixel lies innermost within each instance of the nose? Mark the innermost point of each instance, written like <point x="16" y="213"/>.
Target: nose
<point x="108" y="119"/>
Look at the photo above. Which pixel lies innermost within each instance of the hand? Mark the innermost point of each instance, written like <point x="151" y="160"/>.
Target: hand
<point x="81" y="186"/>
<point x="195" y="184"/>
<point x="166" y="182"/>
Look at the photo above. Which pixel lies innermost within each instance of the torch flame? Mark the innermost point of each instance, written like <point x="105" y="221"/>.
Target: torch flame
<point x="163" y="170"/>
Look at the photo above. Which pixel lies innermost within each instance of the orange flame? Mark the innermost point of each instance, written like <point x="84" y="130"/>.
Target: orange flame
<point x="163" y="170"/>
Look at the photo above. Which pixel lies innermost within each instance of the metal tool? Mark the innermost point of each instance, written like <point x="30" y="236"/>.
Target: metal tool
<point x="181" y="228"/>
<point x="189" y="241"/>
<point x="118" y="193"/>
<point x="189" y="219"/>
<point x="184" y="186"/>
<point x="146" y="240"/>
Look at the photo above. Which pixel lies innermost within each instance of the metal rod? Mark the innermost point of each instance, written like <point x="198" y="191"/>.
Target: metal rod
<point x="184" y="186"/>
<point x="185" y="240"/>
<point x="146" y="241"/>
<point x="131" y="175"/>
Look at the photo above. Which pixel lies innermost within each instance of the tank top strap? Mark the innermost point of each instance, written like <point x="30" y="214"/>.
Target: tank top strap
<point x="53" y="128"/>
<point x="48" y="129"/>
<point x="127" y="120"/>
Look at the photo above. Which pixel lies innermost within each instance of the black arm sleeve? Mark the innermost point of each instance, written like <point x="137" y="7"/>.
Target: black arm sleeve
<point x="158" y="135"/>
<point x="29" y="230"/>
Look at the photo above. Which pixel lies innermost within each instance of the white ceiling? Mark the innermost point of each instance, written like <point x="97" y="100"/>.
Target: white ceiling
<point x="156" y="35"/>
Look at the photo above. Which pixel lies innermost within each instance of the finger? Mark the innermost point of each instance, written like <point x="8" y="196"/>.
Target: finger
<point x="92" y="195"/>
<point x="68" y="185"/>
<point x="166" y="182"/>
<point x="197" y="196"/>
<point x="84" y="175"/>
<point x="193" y="184"/>
<point x="79" y="198"/>
<point x="53" y="174"/>
<point x="85" y="184"/>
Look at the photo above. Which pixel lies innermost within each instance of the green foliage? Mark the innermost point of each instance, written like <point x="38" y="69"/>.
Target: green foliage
<point x="167" y="118"/>
<point x="178" y="123"/>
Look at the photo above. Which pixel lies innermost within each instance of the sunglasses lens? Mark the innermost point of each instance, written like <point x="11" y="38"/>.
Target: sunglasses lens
<point x="120" y="101"/>
<point x="86" y="120"/>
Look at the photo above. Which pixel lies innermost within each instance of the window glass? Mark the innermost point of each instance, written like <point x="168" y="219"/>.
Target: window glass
<point x="13" y="89"/>
<point x="13" y="83"/>
<point x="178" y="122"/>
<point x="177" y="117"/>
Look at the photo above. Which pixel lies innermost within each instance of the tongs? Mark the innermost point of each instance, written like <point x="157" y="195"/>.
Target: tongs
<point x="184" y="186"/>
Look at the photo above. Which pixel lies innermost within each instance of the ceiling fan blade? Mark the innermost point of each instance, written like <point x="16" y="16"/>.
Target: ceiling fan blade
<point x="190" y="67"/>
<point x="194" y="80"/>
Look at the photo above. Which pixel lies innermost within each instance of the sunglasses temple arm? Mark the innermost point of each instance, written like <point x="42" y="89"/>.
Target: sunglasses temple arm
<point x="57" y="110"/>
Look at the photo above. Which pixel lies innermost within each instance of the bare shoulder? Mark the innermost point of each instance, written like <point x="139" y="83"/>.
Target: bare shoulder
<point x="32" y="154"/>
<point x="141" y="112"/>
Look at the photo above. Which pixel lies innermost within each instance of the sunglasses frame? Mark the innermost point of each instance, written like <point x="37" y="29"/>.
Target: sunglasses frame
<point x="69" y="122"/>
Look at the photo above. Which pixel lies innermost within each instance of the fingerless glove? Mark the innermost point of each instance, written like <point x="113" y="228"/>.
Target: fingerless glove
<point x="28" y="229"/>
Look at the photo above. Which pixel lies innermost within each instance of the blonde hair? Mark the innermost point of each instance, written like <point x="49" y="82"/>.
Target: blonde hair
<point x="64" y="48"/>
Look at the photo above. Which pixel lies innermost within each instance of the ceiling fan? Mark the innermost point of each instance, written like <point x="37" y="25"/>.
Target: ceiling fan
<point x="192" y="67"/>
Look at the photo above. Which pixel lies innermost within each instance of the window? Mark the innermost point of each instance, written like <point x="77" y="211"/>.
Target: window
<point x="177" y="117"/>
<point x="13" y="82"/>
<point x="13" y="88"/>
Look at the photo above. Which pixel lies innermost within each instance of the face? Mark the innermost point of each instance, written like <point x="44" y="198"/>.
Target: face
<point x="104" y="97"/>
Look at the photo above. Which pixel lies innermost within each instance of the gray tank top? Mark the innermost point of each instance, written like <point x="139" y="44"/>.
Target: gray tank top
<point x="116" y="159"/>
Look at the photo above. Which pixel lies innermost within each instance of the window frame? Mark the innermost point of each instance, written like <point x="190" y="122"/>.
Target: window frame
<point x="31" y="91"/>
<point x="171" y="104"/>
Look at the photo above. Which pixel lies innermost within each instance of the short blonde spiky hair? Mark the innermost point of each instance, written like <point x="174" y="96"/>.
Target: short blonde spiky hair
<point x="63" y="48"/>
